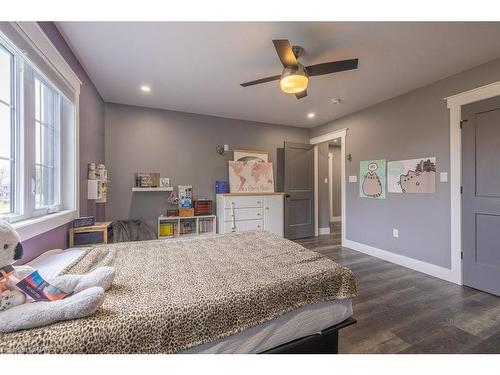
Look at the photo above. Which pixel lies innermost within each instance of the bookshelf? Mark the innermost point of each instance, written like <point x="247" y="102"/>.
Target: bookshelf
<point x="186" y="226"/>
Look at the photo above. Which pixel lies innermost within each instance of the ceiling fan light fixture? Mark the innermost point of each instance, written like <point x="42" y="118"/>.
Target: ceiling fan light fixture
<point x="294" y="80"/>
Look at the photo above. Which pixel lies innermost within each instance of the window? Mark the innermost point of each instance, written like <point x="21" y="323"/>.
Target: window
<point x="46" y="146"/>
<point x="7" y="132"/>
<point x="35" y="120"/>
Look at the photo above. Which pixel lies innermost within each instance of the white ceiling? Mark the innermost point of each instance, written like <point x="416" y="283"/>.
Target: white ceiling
<point x="197" y="67"/>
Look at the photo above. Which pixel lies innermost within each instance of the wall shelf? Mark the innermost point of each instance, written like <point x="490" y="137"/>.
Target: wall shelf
<point x="136" y="189"/>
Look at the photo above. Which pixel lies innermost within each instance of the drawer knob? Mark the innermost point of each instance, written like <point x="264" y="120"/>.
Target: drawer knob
<point x="258" y="202"/>
<point x="258" y="226"/>
<point x="267" y="208"/>
<point x="258" y="213"/>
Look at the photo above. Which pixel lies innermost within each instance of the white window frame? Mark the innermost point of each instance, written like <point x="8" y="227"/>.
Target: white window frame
<point x="35" y="212"/>
<point x="15" y="193"/>
<point x="33" y="226"/>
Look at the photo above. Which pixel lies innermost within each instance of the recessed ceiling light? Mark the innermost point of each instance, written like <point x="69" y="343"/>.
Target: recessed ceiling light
<point x="311" y="115"/>
<point x="145" y="88"/>
<point x="335" y="101"/>
<point x="335" y="140"/>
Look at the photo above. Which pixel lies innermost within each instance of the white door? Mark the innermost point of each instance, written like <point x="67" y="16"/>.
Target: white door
<point x="273" y="214"/>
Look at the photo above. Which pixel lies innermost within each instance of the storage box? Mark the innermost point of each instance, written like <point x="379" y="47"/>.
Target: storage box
<point x="171" y="213"/>
<point x="203" y="207"/>
<point x="183" y="212"/>
<point x="167" y="229"/>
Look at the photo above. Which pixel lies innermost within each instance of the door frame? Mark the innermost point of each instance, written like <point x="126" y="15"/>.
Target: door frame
<point x="454" y="104"/>
<point x="341" y="133"/>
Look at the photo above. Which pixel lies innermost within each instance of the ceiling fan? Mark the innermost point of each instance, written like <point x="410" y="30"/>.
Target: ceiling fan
<point x="295" y="76"/>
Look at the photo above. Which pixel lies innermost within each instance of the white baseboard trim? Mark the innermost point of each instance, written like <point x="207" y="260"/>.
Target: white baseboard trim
<point x="414" y="264"/>
<point x="335" y="218"/>
<point x="324" y="230"/>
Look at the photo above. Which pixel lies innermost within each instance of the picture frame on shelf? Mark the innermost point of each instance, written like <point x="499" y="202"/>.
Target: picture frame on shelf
<point x="164" y="182"/>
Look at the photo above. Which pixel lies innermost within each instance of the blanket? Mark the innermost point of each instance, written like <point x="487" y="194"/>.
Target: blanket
<point x="132" y="230"/>
<point x="171" y="295"/>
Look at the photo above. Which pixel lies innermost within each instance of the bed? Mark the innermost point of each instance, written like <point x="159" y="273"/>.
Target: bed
<point x="250" y="292"/>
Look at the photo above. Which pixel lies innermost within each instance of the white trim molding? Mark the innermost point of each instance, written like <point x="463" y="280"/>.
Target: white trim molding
<point x="454" y="104"/>
<point x="324" y="230"/>
<point x="334" y="219"/>
<point x="414" y="264"/>
<point x="33" y="227"/>
<point x="341" y="133"/>
<point x="45" y="49"/>
<point x="316" y="192"/>
<point x="33" y="33"/>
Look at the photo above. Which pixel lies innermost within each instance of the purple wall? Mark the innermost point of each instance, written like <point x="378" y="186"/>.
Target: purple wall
<point x="55" y="239"/>
<point x="91" y="146"/>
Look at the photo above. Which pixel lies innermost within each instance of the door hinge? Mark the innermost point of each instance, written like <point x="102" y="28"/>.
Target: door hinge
<point x="462" y="123"/>
<point x="462" y="255"/>
<point x="461" y="189"/>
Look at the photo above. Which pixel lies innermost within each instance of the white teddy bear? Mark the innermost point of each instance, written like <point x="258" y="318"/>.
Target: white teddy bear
<point x="18" y="311"/>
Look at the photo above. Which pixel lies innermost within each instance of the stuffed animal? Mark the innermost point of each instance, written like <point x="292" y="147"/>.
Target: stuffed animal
<point x="18" y="311"/>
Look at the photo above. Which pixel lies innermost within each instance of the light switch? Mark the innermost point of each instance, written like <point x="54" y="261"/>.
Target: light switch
<point x="353" y="178"/>
<point x="226" y="147"/>
<point x="395" y="233"/>
<point x="326" y="180"/>
<point x="443" y="177"/>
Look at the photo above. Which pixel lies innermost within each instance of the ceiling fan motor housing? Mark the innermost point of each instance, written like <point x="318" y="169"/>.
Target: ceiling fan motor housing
<point x="298" y="51"/>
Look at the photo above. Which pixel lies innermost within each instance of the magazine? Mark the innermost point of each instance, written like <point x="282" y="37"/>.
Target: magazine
<point x="40" y="290"/>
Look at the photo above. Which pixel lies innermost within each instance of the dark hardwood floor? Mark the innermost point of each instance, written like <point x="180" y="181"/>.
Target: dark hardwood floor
<point x="403" y="311"/>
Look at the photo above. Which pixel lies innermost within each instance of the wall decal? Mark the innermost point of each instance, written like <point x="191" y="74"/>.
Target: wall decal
<point x="412" y="176"/>
<point x="372" y="179"/>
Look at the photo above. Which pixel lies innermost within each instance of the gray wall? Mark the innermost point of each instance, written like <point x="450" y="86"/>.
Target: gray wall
<point x="336" y="180"/>
<point x="91" y="146"/>
<point x="177" y="145"/>
<point x="412" y="125"/>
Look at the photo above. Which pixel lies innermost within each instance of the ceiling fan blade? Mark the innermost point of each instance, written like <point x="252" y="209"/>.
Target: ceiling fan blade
<point x="332" y="67"/>
<point x="285" y="52"/>
<point x="301" y="94"/>
<point x="262" y="80"/>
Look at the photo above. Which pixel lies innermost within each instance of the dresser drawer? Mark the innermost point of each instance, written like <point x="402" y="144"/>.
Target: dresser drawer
<point x="243" y="202"/>
<point x="243" y="214"/>
<point x="242" y="226"/>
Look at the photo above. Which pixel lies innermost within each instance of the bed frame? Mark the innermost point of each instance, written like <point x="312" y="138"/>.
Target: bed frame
<point x="325" y="342"/>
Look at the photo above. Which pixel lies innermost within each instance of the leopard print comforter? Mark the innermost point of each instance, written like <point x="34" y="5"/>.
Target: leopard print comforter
<point x="171" y="295"/>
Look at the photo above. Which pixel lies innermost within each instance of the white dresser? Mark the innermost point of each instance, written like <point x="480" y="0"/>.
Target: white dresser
<point x="243" y="212"/>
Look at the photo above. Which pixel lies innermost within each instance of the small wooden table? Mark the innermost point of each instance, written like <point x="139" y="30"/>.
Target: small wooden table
<point x="92" y="235"/>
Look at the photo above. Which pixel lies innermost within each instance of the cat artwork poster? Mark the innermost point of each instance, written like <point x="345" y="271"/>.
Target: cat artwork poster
<point x="372" y="178"/>
<point x="412" y="176"/>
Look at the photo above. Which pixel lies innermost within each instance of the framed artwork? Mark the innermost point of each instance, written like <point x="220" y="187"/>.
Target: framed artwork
<point x="164" y="182"/>
<point x="251" y="155"/>
<point x="185" y="196"/>
<point x="412" y="176"/>
<point x="372" y="179"/>
<point x="250" y="177"/>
